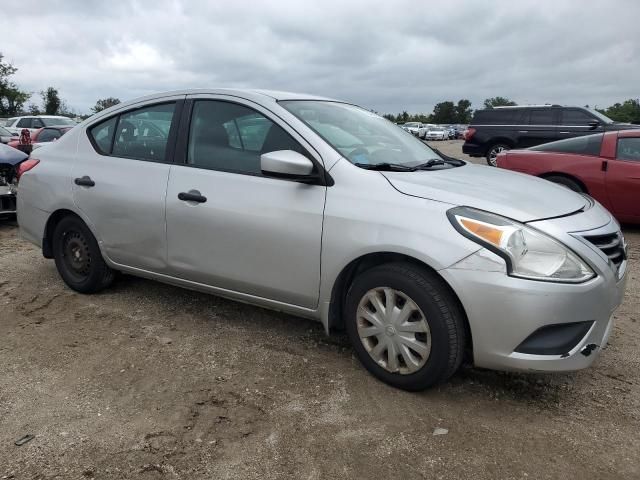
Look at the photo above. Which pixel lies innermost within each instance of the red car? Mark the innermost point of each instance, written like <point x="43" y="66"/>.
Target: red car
<point x="606" y="166"/>
<point x="43" y="135"/>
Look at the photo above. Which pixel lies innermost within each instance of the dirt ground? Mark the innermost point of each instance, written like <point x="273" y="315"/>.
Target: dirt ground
<point x="150" y="381"/>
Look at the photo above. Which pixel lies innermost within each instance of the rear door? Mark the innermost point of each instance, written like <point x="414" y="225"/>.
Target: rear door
<point x="246" y="232"/>
<point x="120" y="181"/>
<point x="623" y="178"/>
<point x="537" y="126"/>
<point x="574" y="122"/>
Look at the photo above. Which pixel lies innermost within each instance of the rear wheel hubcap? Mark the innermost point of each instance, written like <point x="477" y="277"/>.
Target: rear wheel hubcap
<point x="76" y="254"/>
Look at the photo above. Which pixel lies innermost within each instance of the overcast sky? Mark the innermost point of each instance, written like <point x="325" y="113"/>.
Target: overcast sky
<point x="386" y="55"/>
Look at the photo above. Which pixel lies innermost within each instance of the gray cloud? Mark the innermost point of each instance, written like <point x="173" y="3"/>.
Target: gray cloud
<point x="385" y="55"/>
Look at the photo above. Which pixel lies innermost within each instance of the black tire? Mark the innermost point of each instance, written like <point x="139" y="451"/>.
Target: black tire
<point x="441" y="310"/>
<point x="88" y="273"/>
<point x="566" y="182"/>
<point x="493" y="151"/>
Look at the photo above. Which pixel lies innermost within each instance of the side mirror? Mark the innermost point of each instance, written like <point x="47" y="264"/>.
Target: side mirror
<point x="593" y="124"/>
<point x="287" y="164"/>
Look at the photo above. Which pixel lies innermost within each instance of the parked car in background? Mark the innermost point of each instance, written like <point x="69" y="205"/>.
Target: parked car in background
<point x="605" y="166"/>
<point x="6" y="136"/>
<point x="416" y="128"/>
<point x="502" y="128"/>
<point x="35" y="122"/>
<point x="322" y="209"/>
<point x="437" y="133"/>
<point x="43" y="136"/>
<point x="10" y="161"/>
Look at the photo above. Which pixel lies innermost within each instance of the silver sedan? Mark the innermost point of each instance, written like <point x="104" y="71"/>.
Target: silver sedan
<point x="325" y="210"/>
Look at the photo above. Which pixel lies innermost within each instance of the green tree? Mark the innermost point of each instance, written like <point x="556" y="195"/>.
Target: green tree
<point x="498" y="102"/>
<point x="627" y="111"/>
<point x="12" y="99"/>
<point x="51" y="102"/>
<point x="463" y="111"/>
<point x="444" y="112"/>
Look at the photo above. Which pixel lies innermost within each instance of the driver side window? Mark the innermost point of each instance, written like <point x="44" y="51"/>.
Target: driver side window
<point x="231" y="137"/>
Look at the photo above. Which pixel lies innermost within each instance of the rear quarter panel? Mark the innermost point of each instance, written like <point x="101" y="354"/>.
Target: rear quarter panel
<point x="47" y="187"/>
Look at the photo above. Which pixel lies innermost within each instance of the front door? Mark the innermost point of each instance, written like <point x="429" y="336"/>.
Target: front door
<point x="230" y="227"/>
<point x="576" y="123"/>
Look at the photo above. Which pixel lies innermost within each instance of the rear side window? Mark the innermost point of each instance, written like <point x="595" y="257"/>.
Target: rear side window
<point x="629" y="149"/>
<point x="143" y="133"/>
<point x="586" y="145"/>
<point x="541" y="117"/>
<point x="102" y="135"/>
<point x="497" y="116"/>
<point x="231" y="137"/>
<point x="24" y="123"/>
<point x="575" y="117"/>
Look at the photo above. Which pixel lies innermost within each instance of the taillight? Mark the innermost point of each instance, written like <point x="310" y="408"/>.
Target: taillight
<point x="468" y="133"/>
<point x="25" y="166"/>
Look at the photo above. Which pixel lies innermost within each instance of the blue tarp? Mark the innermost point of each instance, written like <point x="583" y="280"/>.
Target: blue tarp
<point x="11" y="156"/>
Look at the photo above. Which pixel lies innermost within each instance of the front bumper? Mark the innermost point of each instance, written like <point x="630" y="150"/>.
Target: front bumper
<point x="504" y="311"/>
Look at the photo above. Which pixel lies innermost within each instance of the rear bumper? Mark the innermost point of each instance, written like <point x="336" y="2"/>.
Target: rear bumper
<point x="473" y="149"/>
<point x="7" y="201"/>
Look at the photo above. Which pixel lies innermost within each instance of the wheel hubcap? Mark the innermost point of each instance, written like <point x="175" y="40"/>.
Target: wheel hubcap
<point x="393" y="330"/>
<point x="493" y="155"/>
<point x="76" y="254"/>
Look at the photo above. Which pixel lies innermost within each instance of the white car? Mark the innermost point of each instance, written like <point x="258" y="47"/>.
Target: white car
<point x="437" y="133"/>
<point x="35" y="122"/>
<point x="416" y="128"/>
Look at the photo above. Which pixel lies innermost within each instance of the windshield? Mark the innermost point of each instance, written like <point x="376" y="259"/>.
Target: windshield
<point x="4" y="132"/>
<point x="360" y="136"/>
<point x="411" y="124"/>
<point x="49" y="122"/>
<point x="600" y="116"/>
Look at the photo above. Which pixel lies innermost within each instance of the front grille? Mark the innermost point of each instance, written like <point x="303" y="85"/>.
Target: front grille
<point x="612" y="245"/>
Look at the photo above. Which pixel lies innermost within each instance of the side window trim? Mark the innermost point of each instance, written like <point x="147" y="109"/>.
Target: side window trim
<point x="171" y="138"/>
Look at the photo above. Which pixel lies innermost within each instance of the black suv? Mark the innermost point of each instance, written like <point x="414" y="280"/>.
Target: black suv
<point x="502" y="128"/>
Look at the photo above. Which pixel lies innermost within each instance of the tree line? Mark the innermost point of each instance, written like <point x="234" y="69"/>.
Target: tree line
<point x="13" y="101"/>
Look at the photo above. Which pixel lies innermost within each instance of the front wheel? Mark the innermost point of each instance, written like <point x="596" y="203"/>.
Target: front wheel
<point x="405" y="325"/>
<point x="78" y="257"/>
<point x="492" y="153"/>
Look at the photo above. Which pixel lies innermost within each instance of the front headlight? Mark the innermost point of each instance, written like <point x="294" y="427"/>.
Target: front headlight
<point x="528" y="253"/>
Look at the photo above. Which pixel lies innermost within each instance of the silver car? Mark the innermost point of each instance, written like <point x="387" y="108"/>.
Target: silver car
<point x="325" y="210"/>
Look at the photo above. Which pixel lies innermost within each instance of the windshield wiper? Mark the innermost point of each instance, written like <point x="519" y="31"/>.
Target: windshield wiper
<point x="429" y="164"/>
<point x="385" y="166"/>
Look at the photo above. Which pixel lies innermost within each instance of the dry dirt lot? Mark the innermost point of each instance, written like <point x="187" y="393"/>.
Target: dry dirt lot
<point x="151" y="381"/>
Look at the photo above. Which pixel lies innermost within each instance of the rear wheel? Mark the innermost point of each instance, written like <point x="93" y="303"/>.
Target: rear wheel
<point x="405" y="325"/>
<point x="78" y="257"/>
<point x="492" y="153"/>
<point x="565" y="182"/>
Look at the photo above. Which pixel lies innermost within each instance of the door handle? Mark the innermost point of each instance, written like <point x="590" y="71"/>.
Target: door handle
<point x="565" y="132"/>
<point x="85" y="181"/>
<point x="192" y="196"/>
<point x="523" y="131"/>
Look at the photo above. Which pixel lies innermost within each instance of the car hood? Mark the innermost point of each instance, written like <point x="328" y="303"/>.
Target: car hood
<point x="514" y="195"/>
